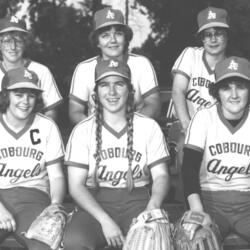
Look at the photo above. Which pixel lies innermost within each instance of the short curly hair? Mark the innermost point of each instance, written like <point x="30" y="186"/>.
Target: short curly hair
<point x="5" y="100"/>
<point x="93" y="38"/>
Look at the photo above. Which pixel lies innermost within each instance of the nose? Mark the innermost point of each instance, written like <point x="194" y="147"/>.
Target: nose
<point x="112" y="89"/>
<point x="13" y="44"/>
<point x="234" y="92"/>
<point x="213" y="37"/>
<point x="25" y="98"/>
<point x="113" y="37"/>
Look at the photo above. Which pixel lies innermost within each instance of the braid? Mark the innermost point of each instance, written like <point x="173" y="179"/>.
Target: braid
<point x="98" y="138"/>
<point x="129" y="118"/>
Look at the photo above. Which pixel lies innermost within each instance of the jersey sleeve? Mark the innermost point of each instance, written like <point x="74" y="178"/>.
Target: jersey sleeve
<point x="147" y="79"/>
<point x="55" y="148"/>
<point x="157" y="150"/>
<point x="82" y="82"/>
<point x="183" y="64"/>
<point x="197" y="131"/>
<point x="51" y="94"/>
<point x="77" y="150"/>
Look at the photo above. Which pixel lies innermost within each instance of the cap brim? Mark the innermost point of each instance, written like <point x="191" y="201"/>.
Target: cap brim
<point x="13" y="29"/>
<point x="229" y="75"/>
<point x="111" y="73"/>
<point x="24" y="85"/>
<point x="211" y="25"/>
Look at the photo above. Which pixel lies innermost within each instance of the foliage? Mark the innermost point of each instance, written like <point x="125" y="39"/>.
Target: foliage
<point x="180" y="18"/>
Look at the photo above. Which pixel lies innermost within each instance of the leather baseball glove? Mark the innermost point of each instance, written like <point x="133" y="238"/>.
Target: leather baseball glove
<point x="149" y="231"/>
<point x="49" y="226"/>
<point x="206" y="236"/>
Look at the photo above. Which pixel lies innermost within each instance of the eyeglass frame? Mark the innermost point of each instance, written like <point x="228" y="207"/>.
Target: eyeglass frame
<point x="218" y="34"/>
<point x="8" y="39"/>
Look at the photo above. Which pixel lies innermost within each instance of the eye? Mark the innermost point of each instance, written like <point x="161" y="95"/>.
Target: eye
<point x="102" y="84"/>
<point x="105" y="35"/>
<point x="120" y="84"/>
<point x="119" y="33"/>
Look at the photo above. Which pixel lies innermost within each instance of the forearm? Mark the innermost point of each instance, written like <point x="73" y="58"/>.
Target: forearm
<point x="195" y="203"/>
<point x="181" y="108"/>
<point x="86" y="201"/>
<point x="159" y="191"/>
<point x="57" y="190"/>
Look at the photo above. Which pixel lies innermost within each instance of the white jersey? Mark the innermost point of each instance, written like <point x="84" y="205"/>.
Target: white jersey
<point x="143" y="80"/>
<point x="26" y="155"/>
<point x="192" y="64"/>
<point x="149" y="149"/>
<point x="226" y="150"/>
<point x="51" y="94"/>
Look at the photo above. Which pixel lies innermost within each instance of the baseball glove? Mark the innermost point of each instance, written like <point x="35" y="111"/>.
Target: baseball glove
<point x="149" y="231"/>
<point x="206" y="237"/>
<point x="49" y="226"/>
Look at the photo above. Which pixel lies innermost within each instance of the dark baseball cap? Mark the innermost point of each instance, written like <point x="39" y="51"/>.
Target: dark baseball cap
<point x="12" y="23"/>
<point x="212" y="17"/>
<point x="232" y="67"/>
<point x="20" y="78"/>
<point x="112" y="67"/>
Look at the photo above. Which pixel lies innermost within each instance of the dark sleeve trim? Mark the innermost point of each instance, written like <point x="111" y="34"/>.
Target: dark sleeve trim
<point x="77" y="99"/>
<point x="151" y="91"/>
<point x="53" y="106"/>
<point x="75" y="164"/>
<point x="165" y="159"/>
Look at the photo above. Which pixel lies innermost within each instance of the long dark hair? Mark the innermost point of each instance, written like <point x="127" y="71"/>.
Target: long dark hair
<point x="98" y="134"/>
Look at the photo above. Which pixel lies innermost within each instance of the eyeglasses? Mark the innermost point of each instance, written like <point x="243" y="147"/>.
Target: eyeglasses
<point x="8" y="41"/>
<point x="218" y="34"/>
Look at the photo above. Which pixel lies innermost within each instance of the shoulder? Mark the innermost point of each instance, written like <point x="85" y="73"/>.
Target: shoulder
<point x="33" y="65"/>
<point x="206" y="113"/>
<point x="192" y="51"/>
<point x="89" y="63"/>
<point x="144" y="122"/>
<point x="85" y="126"/>
<point x="134" y="59"/>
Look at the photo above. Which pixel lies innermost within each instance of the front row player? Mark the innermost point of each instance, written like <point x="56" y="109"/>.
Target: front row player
<point x="216" y="170"/>
<point x="112" y="156"/>
<point x="31" y="152"/>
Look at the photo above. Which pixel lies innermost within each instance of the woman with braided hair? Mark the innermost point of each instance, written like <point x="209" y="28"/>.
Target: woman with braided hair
<point x="112" y="157"/>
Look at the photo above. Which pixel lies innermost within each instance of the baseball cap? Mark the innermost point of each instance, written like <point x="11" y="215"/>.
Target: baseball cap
<point x="12" y="23"/>
<point x="20" y="78"/>
<point x="232" y="67"/>
<point x="109" y="16"/>
<point x="110" y="68"/>
<point x="212" y="17"/>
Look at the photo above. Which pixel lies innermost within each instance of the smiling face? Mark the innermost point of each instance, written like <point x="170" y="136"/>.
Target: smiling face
<point x="12" y="45"/>
<point x="215" y="40"/>
<point x="112" y="42"/>
<point x="21" y="105"/>
<point x="113" y="94"/>
<point x="233" y="96"/>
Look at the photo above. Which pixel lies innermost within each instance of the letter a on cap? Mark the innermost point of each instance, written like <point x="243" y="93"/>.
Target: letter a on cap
<point x="233" y="65"/>
<point x="110" y="15"/>
<point x="211" y="15"/>
<point x="27" y="74"/>
<point x="113" y="64"/>
<point x="14" y="19"/>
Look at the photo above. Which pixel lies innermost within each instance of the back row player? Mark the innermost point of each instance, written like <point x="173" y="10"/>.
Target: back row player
<point x="14" y="39"/>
